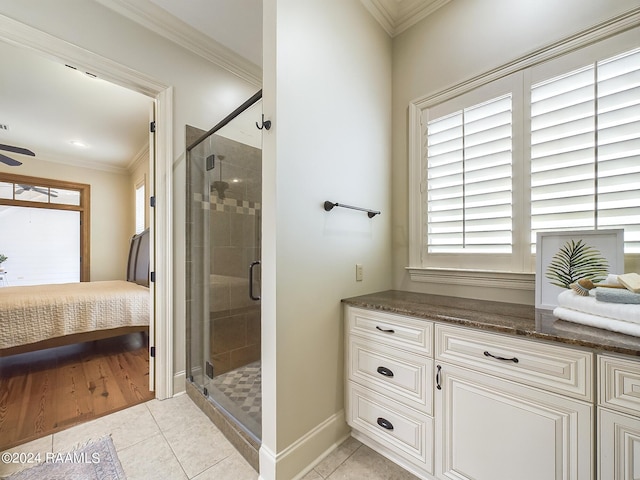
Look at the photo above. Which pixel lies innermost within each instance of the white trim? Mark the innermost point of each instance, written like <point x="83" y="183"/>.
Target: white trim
<point x="397" y="16"/>
<point x="415" y="185"/>
<point x="164" y="242"/>
<point x="40" y="42"/>
<point x="141" y="156"/>
<point x="290" y="462"/>
<point x="581" y="39"/>
<point x="474" y="278"/>
<point x="166" y="25"/>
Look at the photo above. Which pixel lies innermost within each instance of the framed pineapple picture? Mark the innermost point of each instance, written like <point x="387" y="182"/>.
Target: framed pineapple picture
<point x="565" y="257"/>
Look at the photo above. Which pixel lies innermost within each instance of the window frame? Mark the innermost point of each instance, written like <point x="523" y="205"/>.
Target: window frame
<point x="520" y="274"/>
<point x="84" y="208"/>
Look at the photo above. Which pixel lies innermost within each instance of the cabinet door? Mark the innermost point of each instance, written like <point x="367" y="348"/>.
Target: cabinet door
<point x="618" y="446"/>
<point x="492" y="429"/>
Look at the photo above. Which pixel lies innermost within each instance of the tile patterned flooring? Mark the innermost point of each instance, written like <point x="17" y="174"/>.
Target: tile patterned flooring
<point x="172" y="439"/>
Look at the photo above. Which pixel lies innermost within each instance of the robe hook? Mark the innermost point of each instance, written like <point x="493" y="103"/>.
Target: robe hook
<point x="266" y="125"/>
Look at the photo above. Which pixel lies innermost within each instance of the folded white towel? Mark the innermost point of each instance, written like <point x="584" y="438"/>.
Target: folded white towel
<point x="597" y="321"/>
<point x="618" y="311"/>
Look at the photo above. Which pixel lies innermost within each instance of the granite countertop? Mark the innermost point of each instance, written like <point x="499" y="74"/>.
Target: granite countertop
<point x="509" y="318"/>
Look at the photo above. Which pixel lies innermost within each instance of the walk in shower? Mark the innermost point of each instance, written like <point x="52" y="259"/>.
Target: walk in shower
<point x="223" y="237"/>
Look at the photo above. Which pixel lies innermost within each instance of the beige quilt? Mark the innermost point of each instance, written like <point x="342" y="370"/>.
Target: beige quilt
<point x="40" y="312"/>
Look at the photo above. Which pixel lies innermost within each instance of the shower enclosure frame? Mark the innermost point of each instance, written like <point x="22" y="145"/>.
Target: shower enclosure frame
<point x="201" y="308"/>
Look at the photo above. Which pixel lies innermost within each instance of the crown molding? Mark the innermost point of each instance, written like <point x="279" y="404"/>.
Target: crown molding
<point x="396" y="16"/>
<point x="161" y="22"/>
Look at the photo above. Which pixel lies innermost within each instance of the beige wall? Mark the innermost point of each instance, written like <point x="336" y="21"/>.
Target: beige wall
<point x="327" y="89"/>
<point x="463" y="39"/>
<point x="111" y="212"/>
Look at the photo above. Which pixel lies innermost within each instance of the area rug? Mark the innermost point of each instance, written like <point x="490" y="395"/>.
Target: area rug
<point x="94" y="461"/>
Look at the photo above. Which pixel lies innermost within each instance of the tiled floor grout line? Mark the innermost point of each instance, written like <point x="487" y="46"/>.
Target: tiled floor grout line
<point x="174" y="453"/>
<point x="167" y="441"/>
<point x="342" y="463"/>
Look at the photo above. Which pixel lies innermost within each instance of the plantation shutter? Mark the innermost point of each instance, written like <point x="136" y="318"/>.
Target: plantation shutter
<point x="469" y="180"/>
<point x="585" y="149"/>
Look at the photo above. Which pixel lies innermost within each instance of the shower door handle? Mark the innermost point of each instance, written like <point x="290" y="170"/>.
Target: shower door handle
<point x="251" y="295"/>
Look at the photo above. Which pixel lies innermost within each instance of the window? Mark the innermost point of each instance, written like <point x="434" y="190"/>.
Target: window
<point x="46" y="229"/>
<point x="585" y="149"/>
<point x="140" y="207"/>
<point x="469" y="180"/>
<point x="551" y="145"/>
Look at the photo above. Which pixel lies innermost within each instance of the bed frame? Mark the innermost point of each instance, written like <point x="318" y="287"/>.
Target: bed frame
<point x="137" y="272"/>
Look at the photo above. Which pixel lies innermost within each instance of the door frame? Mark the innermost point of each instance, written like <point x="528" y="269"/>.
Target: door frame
<point x="21" y="35"/>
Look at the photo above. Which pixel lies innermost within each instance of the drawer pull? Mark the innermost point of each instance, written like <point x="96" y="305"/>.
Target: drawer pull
<point x="385" y="330"/>
<point x="438" y="369"/>
<point x="384" y="423"/>
<point x="385" y="371"/>
<point x="514" y="359"/>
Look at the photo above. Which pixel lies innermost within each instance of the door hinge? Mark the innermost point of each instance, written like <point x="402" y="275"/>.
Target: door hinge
<point x="152" y="351"/>
<point x="152" y="201"/>
<point x="152" y="277"/>
<point x="152" y="127"/>
<point x="209" y="370"/>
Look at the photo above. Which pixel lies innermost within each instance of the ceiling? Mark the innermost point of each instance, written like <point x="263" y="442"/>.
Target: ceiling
<point x="46" y="105"/>
<point x="66" y="116"/>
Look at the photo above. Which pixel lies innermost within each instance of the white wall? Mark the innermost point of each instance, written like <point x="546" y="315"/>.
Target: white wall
<point x="463" y="39"/>
<point x="203" y="93"/>
<point x="327" y="89"/>
<point x="111" y="212"/>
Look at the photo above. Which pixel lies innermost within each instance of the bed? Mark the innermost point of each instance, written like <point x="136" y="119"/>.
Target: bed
<point x="44" y="316"/>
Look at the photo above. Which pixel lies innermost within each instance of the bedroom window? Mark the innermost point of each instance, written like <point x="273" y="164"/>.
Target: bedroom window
<point x="45" y="229"/>
<point x="553" y="146"/>
<point x="140" y="207"/>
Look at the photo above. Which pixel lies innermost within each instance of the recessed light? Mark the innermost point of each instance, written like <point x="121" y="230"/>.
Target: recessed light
<point x="79" y="144"/>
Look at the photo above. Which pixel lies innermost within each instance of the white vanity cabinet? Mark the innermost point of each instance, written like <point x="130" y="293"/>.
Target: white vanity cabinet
<point x="618" y="418"/>
<point x="508" y="408"/>
<point x="451" y="402"/>
<point x="389" y="399"/>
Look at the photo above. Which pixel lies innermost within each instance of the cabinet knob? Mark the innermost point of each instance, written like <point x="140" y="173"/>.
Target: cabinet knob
<point x="384" y="423"/>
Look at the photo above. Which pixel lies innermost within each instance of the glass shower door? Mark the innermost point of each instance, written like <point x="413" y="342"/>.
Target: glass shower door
<point x="225" y="175"/>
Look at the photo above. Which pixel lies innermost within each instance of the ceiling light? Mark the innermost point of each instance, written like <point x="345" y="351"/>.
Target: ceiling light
<point x="79" y="144"/>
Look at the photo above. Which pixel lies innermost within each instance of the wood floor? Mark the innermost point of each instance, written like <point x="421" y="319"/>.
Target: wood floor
<point x="50" y="390"/>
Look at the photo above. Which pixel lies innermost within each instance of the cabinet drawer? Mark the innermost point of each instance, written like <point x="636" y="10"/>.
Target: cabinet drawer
<point x="403" y="376"/>
<point x="400" y="429"/>
<point x="403" y="332"/>
<point x="558" y="369"/>
<point x="619" y="385"/>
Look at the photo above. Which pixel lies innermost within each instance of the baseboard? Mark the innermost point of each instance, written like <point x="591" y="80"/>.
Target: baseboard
<point x="300" y="457"/>
<point x="179" y="382"/>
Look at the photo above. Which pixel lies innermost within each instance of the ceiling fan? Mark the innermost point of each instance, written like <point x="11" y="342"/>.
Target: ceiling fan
<point x="11" y="161"/>
<point x="31" y="188"/>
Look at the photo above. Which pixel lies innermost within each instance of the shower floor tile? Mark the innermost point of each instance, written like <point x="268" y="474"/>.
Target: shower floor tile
<point x="242" y="392"/>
